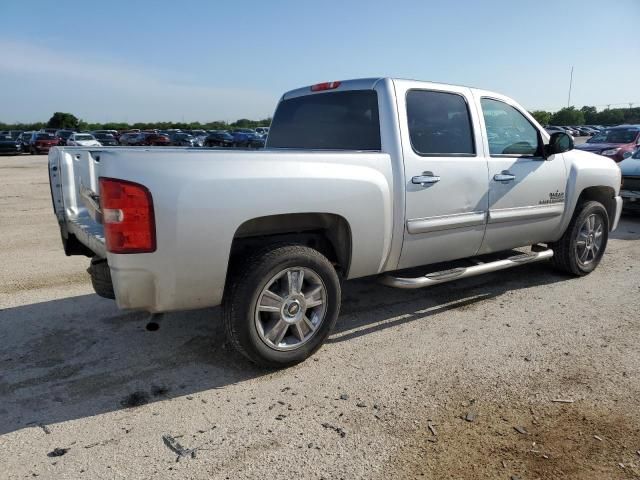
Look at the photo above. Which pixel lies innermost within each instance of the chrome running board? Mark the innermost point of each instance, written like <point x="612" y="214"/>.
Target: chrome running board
<point x="444" y="276"/>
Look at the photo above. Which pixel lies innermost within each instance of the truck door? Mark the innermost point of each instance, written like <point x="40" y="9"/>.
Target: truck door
<point x="445" y="173"/>
<point x="526" y="191"/>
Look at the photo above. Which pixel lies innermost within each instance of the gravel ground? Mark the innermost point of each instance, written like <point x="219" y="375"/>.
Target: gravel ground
<point x="456" y="381"/>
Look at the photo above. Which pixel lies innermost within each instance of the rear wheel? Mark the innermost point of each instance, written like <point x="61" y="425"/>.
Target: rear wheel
<point x="582" y="246"/>
<point x="281" y="305"/>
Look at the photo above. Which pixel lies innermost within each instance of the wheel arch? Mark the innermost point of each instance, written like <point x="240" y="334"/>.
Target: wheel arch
<point x="328" y="233"/>
<point x="602" y="194"/>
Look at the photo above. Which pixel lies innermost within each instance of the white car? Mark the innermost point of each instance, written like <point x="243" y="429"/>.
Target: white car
<point x="83" y="140"/>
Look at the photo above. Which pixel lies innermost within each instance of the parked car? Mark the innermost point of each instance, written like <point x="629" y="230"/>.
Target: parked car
<point x="152" y="139"/>
<point x="615" y="142"/>
<point x="553" y="129"/>
<point x="23" y="140"/>
<point x="41" y="142"/>
<point x="630" y="189"/>
<point x="82" y="140"/>
<point x="114" y="133"/>
<point x="262" y="130"/>
<point x="570" y="131"/>
<point x="63" y="136"/>
<point x="590" y="131"/>
<point x="346" y="190"/>
<point x="128" y="138"/>
<point x="9" y="145"/>
<point x="184" y="140"/>
<point x="242" y="136"/>
<point x="11" y="133"/>
<point x="583" y="131"/>
<point x="106" y="139"/>
<point x="218" y="139"/>
<point x="256" y="141"/>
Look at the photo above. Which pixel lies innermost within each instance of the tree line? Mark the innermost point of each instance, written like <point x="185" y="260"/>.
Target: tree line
<point x="64" y="120"/>
<point x="588" y="116"/>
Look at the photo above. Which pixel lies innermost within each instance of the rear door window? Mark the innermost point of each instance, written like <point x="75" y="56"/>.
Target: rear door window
<point x="439" y="123"/>
<point x="327" y="121"/>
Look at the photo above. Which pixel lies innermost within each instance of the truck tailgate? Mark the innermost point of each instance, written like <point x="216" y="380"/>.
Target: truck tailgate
<point x="73" y="175"/>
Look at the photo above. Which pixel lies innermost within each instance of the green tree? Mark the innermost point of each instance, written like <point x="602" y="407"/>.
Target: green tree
<point x="543" y="117"/>
<point x="568" y="116"/>
<point x="63" y="120"/>
<point x="611" y="116"/>
<point x="590" y="115"/>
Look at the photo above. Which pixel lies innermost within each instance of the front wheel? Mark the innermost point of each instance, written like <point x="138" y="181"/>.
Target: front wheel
<point x="282" y="305"/>
<point x="582" y="246"/>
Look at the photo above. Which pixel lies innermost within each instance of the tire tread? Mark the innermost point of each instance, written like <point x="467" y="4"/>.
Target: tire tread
<point x="239" y="286"/>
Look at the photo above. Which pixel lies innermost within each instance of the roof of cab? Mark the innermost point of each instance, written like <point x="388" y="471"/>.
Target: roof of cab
<point x="365" y="84"/>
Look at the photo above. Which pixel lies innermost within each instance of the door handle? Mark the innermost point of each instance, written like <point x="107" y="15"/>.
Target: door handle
<point x="427" y="178"/>
<point x="504" y="177"/>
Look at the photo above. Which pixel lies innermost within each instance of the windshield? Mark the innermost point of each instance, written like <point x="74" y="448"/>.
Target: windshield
<point x="328" y="121"/>
<point x="45" y="136"/>
<point x="64" y="134"/>
<point x="617" y="135"/>
<point x="84" y="137"/>
<point x="637" y="154"/>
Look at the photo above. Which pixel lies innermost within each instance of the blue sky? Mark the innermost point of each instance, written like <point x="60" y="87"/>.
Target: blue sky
<point x="213" y="60"/>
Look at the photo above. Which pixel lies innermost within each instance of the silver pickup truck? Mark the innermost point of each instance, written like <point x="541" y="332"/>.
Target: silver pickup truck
<point x="359" y="178"/>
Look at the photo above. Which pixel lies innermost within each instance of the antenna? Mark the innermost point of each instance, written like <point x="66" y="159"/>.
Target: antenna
<point x="570" y="85"/>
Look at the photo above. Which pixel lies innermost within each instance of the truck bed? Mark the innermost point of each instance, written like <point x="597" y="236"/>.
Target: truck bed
<point x="202" y="197"/>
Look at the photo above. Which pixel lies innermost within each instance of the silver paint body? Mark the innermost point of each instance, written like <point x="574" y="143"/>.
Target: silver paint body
<point x="202" y="197"/>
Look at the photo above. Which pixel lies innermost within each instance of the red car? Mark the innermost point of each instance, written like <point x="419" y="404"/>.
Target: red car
<point x="152" y="139"/>
<point x="41" y="142"/>
<point x="616" y="143"/>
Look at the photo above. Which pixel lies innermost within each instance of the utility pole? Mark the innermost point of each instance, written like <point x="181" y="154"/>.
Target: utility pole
<point x="570" y="85"/>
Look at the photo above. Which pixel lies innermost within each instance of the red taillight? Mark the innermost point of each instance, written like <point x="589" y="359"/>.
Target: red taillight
<point x="127" y="216"/>
<point x="319" y="87"/>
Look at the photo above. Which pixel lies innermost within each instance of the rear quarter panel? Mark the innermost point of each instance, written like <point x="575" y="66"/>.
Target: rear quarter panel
<point x="202" y="197"/>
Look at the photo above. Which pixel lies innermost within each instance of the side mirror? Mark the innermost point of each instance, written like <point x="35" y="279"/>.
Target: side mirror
<point x="559" y="142"/>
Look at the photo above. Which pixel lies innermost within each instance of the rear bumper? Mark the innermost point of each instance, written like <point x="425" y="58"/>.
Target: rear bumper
<point x="155" y="288"/>
<point x="134" y="289"/>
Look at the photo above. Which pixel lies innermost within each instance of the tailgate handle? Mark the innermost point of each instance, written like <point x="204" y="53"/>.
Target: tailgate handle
<point x="91" y="200"/>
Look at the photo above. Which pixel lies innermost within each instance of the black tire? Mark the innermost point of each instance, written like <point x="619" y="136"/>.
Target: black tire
<point x="101" y="278"/>
<point x="245" y="285"/>
<point x="566" y="251"/>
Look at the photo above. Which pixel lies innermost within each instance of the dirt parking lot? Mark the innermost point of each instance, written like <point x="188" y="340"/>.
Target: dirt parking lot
<point x="522" y="374"/>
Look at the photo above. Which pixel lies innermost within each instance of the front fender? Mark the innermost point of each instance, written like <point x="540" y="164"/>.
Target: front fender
<point x="587" y="170"/>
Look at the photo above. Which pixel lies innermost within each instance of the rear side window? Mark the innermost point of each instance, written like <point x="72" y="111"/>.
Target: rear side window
<point x="508" y="131"/>
<point x="327" y="121"/>
<point x="439" y="123"/>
